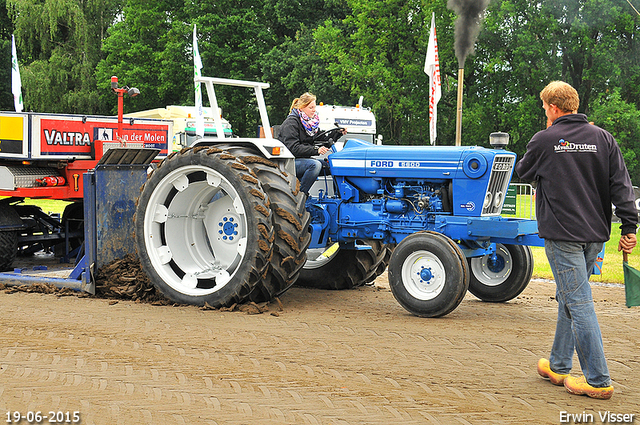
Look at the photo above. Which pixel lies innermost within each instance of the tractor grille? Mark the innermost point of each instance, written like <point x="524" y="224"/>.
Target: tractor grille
<point x="498" y="184"/>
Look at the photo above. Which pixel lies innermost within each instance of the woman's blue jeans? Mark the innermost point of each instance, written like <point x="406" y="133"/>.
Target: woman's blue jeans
<point x="577" y="327"/>
<point x="307" y="170"/>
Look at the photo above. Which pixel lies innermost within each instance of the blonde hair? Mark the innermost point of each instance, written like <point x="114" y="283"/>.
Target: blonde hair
<point x="562" y="95"/>
<point x="302" y="101"/>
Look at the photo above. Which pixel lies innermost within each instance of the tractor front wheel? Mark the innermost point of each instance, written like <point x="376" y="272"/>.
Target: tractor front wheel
<point x="503" y="275"/>
<point x="428" y="274"/>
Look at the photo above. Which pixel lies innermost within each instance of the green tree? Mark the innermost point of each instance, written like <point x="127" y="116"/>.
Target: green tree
<point x="237" y="36"/>
<point x="59" y="43"/>
<point x="524" y="45"/>
<point x="589" y="33"/>
<point x="378" y="51"/>
<point x="338" y="49"/>
<point x="621" y="119"/>
<point x="294" y="66"/>
<point x="148" y="48"/>
<point x="515" y="57"/>
<point x="6" y="29"/>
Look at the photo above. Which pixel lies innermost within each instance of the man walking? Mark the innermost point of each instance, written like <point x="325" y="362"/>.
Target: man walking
<point x="579" y="172"/>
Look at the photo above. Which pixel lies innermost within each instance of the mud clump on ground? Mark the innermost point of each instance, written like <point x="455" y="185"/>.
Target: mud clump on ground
<point x="124" y="279"/>
<point x="41" y="288"/>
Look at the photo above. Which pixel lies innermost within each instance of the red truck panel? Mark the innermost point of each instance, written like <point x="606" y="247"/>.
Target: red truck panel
<point x="69" y="145"/>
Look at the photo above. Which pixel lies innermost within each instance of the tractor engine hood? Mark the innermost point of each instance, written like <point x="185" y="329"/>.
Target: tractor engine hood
<point x="435" y="163"/>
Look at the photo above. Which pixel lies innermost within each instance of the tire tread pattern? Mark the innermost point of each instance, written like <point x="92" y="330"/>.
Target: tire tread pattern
<point x="290" y="222"/>
<point x="8" y="248"/>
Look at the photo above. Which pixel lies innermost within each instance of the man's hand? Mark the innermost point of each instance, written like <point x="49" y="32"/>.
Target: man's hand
<point x="627" y="243"/>
<point x="322" y="150"/>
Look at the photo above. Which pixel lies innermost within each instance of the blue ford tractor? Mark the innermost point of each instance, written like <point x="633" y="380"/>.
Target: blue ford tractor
<point x="223" y="222"/>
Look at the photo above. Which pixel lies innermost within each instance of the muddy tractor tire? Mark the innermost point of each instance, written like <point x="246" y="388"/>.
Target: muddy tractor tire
<point x="204" y="229"/>
<point x="290" y="222"/>
<point x="337" y="268"/>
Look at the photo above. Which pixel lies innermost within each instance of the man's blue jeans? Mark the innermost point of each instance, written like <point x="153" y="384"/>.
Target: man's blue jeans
<point x="577" y="327"/>
<point x="307" y="170"/>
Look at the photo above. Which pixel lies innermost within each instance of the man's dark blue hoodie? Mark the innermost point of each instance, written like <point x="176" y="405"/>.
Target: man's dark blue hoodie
<point x="579" y="172"/>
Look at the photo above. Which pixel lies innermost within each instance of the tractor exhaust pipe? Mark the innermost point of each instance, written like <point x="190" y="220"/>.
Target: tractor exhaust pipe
<point x="459" y="109"/>
<point x="470" y="15"/>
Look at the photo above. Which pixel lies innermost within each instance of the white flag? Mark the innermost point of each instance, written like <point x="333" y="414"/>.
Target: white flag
<point x="197" y="66"/>
<point x="16" y="84"/>
<point x="432" y="69"/>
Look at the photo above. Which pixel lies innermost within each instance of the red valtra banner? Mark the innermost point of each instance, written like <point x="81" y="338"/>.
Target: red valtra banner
<point x="71" y="137"/>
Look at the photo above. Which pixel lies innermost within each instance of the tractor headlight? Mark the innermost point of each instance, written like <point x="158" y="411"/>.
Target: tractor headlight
<point x="497" y="200"/>
<point x="487" y="200"/>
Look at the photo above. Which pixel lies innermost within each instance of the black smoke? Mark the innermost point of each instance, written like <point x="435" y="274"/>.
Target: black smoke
<point x="470" y="15"/>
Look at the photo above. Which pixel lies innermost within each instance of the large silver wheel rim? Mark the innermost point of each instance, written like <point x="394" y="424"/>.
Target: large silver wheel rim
<point x="200" y="234"/>
<point x="423" y="275"/>
<point x="493" y="269"/>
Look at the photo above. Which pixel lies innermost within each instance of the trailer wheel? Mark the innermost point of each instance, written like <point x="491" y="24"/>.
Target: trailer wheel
<point x="73" y="220"/>
<point x="501" y="276"/>
<point x="8" y="238"/>
<point x="337" y="268"/>
<point x="428" y="274"/>
<point x="203" y="228"/>
<point x="290" y="222"/>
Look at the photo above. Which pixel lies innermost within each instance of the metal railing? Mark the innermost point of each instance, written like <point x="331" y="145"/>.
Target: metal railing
<point x="520" y="201"/>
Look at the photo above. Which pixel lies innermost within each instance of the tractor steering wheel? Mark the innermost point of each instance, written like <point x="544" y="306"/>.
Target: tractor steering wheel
<point x="332" y="132"/>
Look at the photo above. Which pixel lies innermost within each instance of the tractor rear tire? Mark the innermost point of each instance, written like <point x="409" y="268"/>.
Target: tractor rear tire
<point x="345" y="268"/>
<point x="204" y="228"/>
<point x="290" y="222"/>
<point x="501" y="277"/>
<point x="8" y="238"/>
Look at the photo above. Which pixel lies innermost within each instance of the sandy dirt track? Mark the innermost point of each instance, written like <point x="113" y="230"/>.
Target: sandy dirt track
<point x="328" y="357"/>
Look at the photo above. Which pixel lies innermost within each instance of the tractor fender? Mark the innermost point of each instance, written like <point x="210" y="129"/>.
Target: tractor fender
<point x="272" y="149"/>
